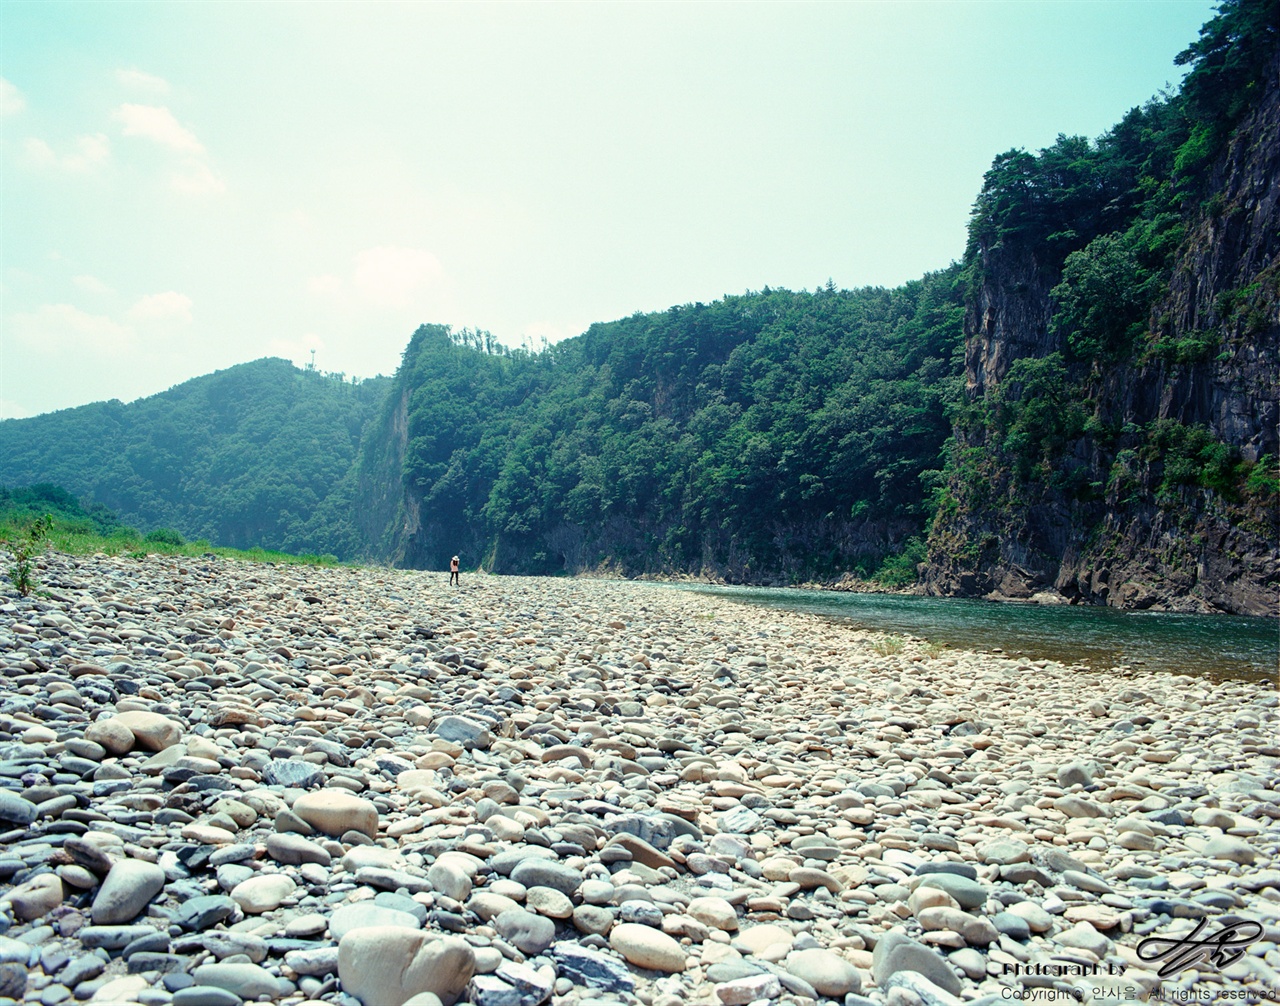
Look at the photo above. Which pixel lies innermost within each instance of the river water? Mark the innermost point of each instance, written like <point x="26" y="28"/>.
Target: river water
<point x="1219" y="646"/>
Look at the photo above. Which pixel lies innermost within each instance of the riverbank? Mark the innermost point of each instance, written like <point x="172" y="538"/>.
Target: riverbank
<point x="224" y="780"/>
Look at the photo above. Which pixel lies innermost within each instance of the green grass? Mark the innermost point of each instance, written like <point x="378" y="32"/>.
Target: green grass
<point x="79" y="537"/>
<point x="888" y="646"/>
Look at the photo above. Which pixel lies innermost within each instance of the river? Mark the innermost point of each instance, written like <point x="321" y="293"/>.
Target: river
<point x="1219" y="646"/>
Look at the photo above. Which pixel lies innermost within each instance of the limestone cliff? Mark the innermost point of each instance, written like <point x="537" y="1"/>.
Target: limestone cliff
<point x="1132" y="538"/>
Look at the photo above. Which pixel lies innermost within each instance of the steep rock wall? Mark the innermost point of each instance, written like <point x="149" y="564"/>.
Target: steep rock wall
<point x="1200" y="552"/>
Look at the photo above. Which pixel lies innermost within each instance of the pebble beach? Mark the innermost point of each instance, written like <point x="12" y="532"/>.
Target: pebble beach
<point x="225" y="782"/>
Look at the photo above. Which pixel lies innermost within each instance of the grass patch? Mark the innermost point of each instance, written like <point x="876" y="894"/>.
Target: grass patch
<point x="888" y="646"/>
<point x="78" y="537"/>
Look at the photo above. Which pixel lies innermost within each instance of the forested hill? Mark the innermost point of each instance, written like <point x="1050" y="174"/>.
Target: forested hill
<point x="258" y="454"/>
<point x="771" y="436"/>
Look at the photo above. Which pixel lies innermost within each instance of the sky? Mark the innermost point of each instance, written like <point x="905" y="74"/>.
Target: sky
<point x="187" y="186"/>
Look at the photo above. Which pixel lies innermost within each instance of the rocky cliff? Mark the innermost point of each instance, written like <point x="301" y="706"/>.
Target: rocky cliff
<point x="1118" y="522"/>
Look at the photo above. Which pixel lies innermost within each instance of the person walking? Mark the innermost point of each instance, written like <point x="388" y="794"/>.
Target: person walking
<point x="453" y="572"/>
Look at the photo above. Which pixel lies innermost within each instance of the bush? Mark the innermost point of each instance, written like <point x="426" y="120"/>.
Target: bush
<point x="900" y="570"/>
<point x="25" y="546"/>
<point x="164" y="536"/>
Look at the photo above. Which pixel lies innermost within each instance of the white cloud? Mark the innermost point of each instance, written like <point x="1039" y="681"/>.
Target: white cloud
<point x="156" y="307"/>
<point x="327" y="285"/>
<point x="11" y="100"/>
<point x="536" y="331"/>
<point x="140" y="81"/>
<point x="384" y="277"/>
<point x="12" y="410"/>
<point x="298" y="350"/>
<point x="197" y="180"/>
<point x="61" y="328"/>
<point x="90" y="152"/>
<point x="91" y="284"/>
<point x="390" y="276"/>
<point x="155" y="122"/>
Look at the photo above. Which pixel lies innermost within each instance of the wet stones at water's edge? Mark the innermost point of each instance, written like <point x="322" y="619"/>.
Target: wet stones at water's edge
<point x="223" y="783"/>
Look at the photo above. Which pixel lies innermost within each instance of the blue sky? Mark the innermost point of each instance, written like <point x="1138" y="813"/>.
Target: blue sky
<point x="188" y="186"/>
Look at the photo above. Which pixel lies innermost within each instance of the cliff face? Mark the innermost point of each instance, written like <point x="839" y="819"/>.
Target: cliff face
<point x="384" y="513"/>
<point x="1134" y="541"/>
<point x="1008" y="318"/>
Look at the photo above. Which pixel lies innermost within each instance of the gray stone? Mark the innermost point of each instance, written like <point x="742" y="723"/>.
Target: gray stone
<point x="740" y="821"/>
<point x="968" y="893"/>
<point x="533" y="986"/>
<point x="1086" y="882"/>
<point x="294" y="850"/>
<point x="248" y="981"/>
<point x="828" y="972"/>
<point x="464" y="731"/>
<point x="753" y="988"/>
<point x="13" y="980"/>
<point x="1013" y="926"/>
<point x="896" y="952"/>
<point x="1231" y="849"/>
<point x="488" y="990"/>
<point x="657" y="831"/>
<point x="205" y="995"/>
<point x="81" y="969"/>
<point x="926" y="991"/>
<point x="591" y="968"/>
<point x="547" y="873"/>
<point x="1077" y="773"/>
<point x="14" y="810"/>
<point x="401" y="903"/>
<point x="1004" y="852"/>
<point x="954" y="869"/>
<point x="321" y="961"/>
<point x="204" y="911"/>
<point x="504" y="863"/>
<point x="387" y="967"/>
<point x="293" y="772"/>
<point x="728" y="971"/>
<point x="526" y="931"/>
<point x="130" y="885"/>
<point x="111" y="937"/>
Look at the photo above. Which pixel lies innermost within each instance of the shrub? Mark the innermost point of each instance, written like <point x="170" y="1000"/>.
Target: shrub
<point x="25" y="546"/>
<point x="900" y="570"/>
<point x="164" y="536"/>
<point x="887" y="646"/>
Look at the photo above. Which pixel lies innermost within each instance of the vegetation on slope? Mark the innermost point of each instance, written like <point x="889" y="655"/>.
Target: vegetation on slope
<point x="772" y="434"/>
<point x="52" y="516"/>
<point x="256" y="455"/>
<point x="1108" y="221"/>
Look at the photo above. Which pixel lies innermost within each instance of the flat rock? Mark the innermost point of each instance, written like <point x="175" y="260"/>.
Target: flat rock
<point x="151" y="730"/>
<point x="829" y="973"/>
<point x="248" y="981"/>
<point x="263" y="893"/>
<point x="592" y="969"/>
<point x="366" y="915"/>
<point x="646" y="947"/>
<point x="386" y="966"/>
<point x="337" y="811"/>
